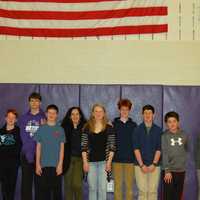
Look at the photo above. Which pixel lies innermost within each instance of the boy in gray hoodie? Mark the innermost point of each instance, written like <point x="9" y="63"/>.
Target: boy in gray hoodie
<point x="173" y="157"/>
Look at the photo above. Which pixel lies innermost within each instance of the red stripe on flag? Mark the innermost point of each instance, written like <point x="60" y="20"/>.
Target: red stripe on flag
<point x="60" y="15"/>
<point x="107" y="31"/>
<point x="61" y="1"/>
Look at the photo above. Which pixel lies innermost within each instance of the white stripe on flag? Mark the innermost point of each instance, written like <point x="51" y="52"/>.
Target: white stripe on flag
<point x="37" y="6"/>
<point x="126" y="21"/>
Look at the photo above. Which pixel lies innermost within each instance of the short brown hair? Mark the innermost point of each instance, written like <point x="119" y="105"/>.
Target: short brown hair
<point x="13" y="111"/>
<point x="35" y="95"/>
<point x="125" y="103"/>
<point x="148" y="107"/>
<point x="172" y="114"/>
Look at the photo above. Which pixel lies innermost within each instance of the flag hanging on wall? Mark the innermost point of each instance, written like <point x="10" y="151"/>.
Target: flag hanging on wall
<point x="82" y="18"/>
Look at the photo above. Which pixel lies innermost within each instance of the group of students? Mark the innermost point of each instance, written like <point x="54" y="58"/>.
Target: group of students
<point x="77" y="148"/>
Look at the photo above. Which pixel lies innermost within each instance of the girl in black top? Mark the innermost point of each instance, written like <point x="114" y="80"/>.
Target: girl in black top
<point x="98" y="147"/>
<point x="73" y="124"/>
<point x="10" y="146"/>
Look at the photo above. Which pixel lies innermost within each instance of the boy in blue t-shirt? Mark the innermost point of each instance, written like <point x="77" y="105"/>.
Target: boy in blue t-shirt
<point x="50" y="140"/>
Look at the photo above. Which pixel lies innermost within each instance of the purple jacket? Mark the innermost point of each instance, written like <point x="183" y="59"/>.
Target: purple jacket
<point x="29" y="124"/>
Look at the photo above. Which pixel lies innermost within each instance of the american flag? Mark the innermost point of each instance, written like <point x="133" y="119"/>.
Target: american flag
<point x="82" y="18"/>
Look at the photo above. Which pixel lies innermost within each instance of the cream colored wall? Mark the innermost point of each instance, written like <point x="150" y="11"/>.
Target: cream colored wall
<point x="107" y="62"/>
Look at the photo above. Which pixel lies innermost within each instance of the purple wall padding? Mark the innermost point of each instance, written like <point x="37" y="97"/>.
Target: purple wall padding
<point x="142" y="95"/>
<point x="108" y="95"/>
<point x="184" y="100"/>
<point x="64" y="96"/>
<point x="15" y="96"/>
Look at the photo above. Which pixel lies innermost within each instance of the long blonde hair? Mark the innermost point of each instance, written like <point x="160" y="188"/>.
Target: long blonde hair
<point x="91" y="122"/>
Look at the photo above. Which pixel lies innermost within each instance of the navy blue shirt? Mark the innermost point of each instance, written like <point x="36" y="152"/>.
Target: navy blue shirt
<point x="147" y="143"/>
<point x="124" y="143"/>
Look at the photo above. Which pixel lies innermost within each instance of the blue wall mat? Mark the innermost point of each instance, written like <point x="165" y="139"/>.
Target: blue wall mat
<point x="15" y="96"/>
<point x="105" y="94"/>
<point x="142" y="95"/>
<point x="186" y="101"/>
<point x="64" y="96"/>
<point x="108" y="95"/>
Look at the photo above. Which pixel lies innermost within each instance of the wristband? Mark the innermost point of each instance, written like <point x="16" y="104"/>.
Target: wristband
<point x="155" y="164"/>
<point x="141" y="166"/>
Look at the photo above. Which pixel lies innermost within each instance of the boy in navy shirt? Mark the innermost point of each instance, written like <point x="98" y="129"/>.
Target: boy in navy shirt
<point x="147" y="149"/>
<point x="50" y="140"/>
<point x="123" y="167"/>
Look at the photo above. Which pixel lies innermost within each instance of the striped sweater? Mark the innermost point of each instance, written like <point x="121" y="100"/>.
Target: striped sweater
<point x="110" y="142"/>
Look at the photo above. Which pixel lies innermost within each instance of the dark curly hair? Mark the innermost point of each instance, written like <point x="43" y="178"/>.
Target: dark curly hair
<point x="67" y="122"/>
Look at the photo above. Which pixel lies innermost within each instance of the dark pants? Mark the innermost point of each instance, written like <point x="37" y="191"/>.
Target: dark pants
<point x="49" y="185"/>
<point x="73" y="180"/>
<point x="8" y="179"/>
<point x="174" y="190"/>
<point x="28" y="178"/>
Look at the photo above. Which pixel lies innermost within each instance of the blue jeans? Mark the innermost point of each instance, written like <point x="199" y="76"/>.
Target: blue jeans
<point x="97" y="180"/>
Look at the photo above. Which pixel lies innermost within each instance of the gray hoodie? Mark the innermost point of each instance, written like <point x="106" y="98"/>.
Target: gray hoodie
<point x="174" y="151"/>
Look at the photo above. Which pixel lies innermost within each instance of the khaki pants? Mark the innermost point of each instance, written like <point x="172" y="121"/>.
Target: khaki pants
<point x="147" y="183"/>
<point x="126" y="169"/>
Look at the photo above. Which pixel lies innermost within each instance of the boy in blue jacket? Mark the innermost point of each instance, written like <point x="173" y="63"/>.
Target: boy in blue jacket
<point x="147" y="149"/>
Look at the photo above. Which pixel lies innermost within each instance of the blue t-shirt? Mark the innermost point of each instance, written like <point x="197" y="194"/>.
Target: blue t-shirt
<point x="50" y="138"/>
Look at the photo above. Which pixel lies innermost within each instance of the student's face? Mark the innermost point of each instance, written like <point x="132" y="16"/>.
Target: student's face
<point x="124" y="112"/>
<point x="51" y="115"/>
<point x="98" y="113"/>
<point x="172" y="124"/>
<point x="75" y="116"/>
<point x="11" y="119"/>
<point x="148" y="116"/>
<point x="34" y="104"/>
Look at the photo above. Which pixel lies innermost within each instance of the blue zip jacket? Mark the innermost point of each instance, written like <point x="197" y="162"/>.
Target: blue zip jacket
<point x="147" y="143"/>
